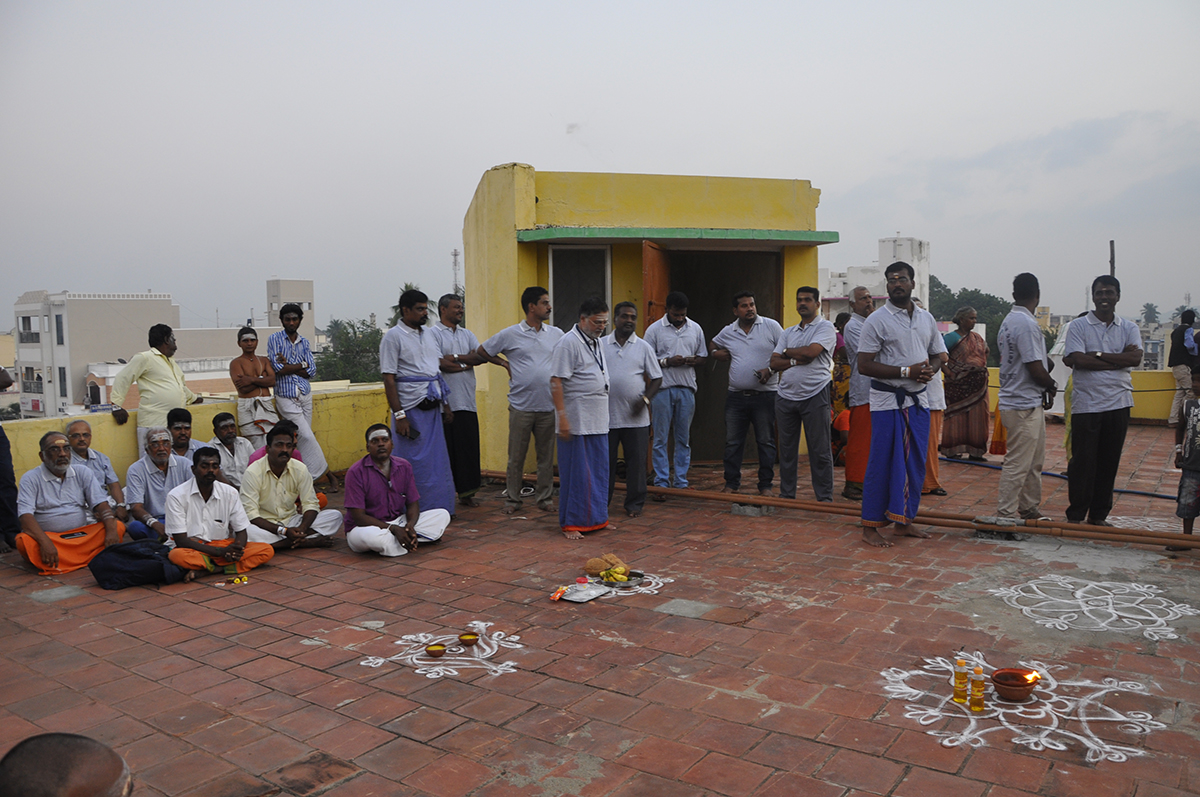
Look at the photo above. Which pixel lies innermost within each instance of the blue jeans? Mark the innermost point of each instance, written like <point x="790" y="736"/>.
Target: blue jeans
<point x="676" y="404"/>
<point x="744" y="408"/>
<point x="137" y="530"/>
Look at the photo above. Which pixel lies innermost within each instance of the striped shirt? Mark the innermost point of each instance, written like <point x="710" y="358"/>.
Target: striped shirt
<point x="292" y="385"/>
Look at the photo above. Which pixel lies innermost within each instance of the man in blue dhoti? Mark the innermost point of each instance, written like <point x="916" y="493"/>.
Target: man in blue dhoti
<point x="579" y="387"/>
<point x="417" y="395"/>
<point x="900" y="349"/>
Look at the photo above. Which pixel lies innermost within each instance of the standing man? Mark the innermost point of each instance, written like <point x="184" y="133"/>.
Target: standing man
<point x="1180" y="362"/>
<point x="858" y="446"/>
<point x="79" y="435"/>
<point x="803" y="357"/>
<point x="253" y="377"/>
<point x="292" y="359"/>
<point x="417" y="395"/>
<point x="179" y="424"/>
<point x="899" y="351"/>
<point x="383" y="510"/>
<point x="1026" y="392"/>
<point x="271" y="489"/>
<point x="458" y="345"/>
<point x="527" y="347"/>
<point x="679" y="347"/>
<point x="634" y="379"/>
<point x="579" y="386"/>
<point x="747" y="345"/>
<point x="206" y="520"/>
<point x="149" y="480"/>
<point x="234" y="451"/>
<point x="161" y="386"/>
<point x="1102" y="350"/>
<point x="64" y="514"/>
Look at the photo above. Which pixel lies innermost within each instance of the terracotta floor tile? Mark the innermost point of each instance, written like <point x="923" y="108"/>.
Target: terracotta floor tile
<point x="424" y="724"/>
<point x="661" y="757"/>
<point x="727" y="775"/>
<point x="185" y="772"/>
<point x="398" y="759"/>
<point x="450" y="776"/>
<point x="312" y="775"/>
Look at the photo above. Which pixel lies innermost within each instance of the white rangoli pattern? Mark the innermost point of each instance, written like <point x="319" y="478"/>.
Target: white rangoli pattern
<point x="1058" y="713"/>
<point x="650" y="585"/>
<point x="457" y="656"/>
<point x="1063" y="603"/>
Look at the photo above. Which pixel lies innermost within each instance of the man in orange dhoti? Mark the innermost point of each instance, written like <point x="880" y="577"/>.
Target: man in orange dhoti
<point x="206" y="519"/>
<point x="858" y="447"/>
<point x="64" y="512"/>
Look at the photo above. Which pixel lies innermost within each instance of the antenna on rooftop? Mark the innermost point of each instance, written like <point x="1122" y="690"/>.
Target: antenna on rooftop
<point x="454" y="265"/>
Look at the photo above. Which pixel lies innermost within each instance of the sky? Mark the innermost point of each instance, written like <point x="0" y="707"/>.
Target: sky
<point x="202" y="148"/>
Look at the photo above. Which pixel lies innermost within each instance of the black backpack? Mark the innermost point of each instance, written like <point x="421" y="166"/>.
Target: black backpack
<point x="131" y="564"/>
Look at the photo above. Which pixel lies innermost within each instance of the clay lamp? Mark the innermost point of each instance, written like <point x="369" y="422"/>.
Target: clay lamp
<point x="435" y="650"/>
<point x="1015" y="684"/>
<point x="468" y="639"/>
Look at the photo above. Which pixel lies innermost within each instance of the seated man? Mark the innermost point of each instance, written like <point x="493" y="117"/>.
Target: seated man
<point x="179" y="422"/>
<point x="208" y="523"/>
<point x="235" y="451"/>
<point x="64" y="514"/>
<point x="148" y="481"/>
<point x="382" y="510"/>
<point x="79" y="435"/>
<point x="270" y="489"/>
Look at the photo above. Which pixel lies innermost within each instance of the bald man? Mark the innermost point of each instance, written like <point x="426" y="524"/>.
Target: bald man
<point x="64" y="765"/>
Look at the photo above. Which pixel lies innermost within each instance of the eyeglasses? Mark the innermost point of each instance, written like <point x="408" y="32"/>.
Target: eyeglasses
<point x="899" y="279"/>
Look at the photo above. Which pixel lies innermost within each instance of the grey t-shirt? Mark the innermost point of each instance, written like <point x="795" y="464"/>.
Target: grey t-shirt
<point x="408" y="352"/>
<point x="751" y="351"/>
<point x="528" y="352"/>
<point x="579" y="362"/>
<point x="459" y="340"/>
<point x="860" y="386"/>
<point x="686" y="340"/>
<point x="145" y="484"/>
<point x="898" y="339"/>
<point x="1020" y="341"/>
<point x="1101" y="391"/>
<point x="59" y="505"/>
<point x="629" y="367"/>
<point x="100" y="466"/>
<point x="803" y="381"/>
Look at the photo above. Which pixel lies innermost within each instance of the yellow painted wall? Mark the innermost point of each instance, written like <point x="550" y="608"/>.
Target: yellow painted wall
<point x="799" y="268"/>
<point x="1152" y="392"/>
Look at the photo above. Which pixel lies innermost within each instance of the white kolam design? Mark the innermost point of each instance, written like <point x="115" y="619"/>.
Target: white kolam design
<point x="457" y="656"/>
<point x="1066" y="603"/>
<point x="650" y="585"/>
<point x="1057" y="715"/>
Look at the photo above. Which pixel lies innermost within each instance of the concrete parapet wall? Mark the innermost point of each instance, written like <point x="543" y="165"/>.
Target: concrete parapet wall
<point x="1152" y="393"/>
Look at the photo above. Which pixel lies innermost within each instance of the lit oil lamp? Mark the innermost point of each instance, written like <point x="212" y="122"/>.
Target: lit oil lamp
<point x="435" y="650"/>
<point x="1015" y="684"/>
<point x="468" y="639"/>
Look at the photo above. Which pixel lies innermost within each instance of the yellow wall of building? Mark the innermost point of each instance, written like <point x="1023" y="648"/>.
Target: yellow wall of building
<point x="1152" y="393"/>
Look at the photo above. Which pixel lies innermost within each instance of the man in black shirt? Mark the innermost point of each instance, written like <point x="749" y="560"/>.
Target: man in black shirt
<point x="1180" y="362"/>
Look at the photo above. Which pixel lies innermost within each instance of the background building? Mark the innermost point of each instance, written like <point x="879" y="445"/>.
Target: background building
<point x="835" y="286"/>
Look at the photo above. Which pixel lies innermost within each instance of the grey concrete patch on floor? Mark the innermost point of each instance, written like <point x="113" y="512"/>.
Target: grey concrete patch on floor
<point x="751" y="510"/>
<point x="1092" y="557"/>
<point x="55" y="594"/>
<point x="684" y="608"/>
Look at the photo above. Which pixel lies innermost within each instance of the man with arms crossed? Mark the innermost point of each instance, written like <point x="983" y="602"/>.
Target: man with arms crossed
<point x="803" y="357"/>
<point x="679" y="347"/>
<point x="900" y="350"/>
<point x="634" y="379"/>
<point x="253" y="377"/>
<point x="458" y="345"/>
<point x="1026" y="392"/>
<point x="1102" y="350"/>
<point x="527" y="347"/>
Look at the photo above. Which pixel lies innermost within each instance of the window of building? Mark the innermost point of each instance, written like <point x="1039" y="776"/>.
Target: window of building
<point x="577" y="272"/>
<point x="62" y="382"/>
<point x="58" y="329"/>
<point x="26" y="323"/>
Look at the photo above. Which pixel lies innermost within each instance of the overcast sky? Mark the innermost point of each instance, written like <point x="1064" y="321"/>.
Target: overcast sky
<point x="202" y="148"/>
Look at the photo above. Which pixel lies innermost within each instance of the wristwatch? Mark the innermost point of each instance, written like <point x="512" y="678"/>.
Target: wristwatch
<point x="1097" y="353"/>
<point x="281" y="531"/>
<point x="399" y="415"/>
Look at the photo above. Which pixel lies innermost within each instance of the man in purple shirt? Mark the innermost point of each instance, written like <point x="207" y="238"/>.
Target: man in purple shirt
<point x="382" y="510"/>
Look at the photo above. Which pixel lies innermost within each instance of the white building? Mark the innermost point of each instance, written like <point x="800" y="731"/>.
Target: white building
<point x="836" y="285"/>
<point x="63" y="338"/>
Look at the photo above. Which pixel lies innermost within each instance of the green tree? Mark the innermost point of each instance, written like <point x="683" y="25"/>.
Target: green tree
<point x="941" y="299"/>
<point x="1175" y="316"/>
<point x="395" y="319"/>
<point x="352" y="353"/>
<point x="989" y="309"/>
<point x="1150" y="313"/>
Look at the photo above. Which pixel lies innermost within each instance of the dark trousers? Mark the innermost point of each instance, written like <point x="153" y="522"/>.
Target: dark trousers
<point x="635" y="442"/>
<point x="744" y="408"/>
<point x="813" y="414"/>
<point x="1096" y="442"/>
<point x="462" y="442"/>
<point x="9" y="525"/>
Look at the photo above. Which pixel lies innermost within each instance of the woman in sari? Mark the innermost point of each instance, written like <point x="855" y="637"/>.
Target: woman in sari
<point x="965" y="426"/>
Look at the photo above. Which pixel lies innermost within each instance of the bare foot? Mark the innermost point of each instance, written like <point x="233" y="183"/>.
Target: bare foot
<point x="315" y="541"/>
<point x="911" y="531"/>
<point x="189" y="575"/>
<point x="509" y="509"/>
<point x="470" y="501"/>
<point x="633" y="513"/>
<point x="546" y="508"/>
<point x="572" y="535"/>
<point x="874" y="538"/>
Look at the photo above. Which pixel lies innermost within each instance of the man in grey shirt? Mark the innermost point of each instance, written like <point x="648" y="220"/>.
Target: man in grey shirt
<point x="526" y="349"/>
<point x="747" y="345"/>
<point x="579" y="385"/>
<point x="462" y="433"/>
<point x="803" y="357"/>
<point x="679" y="347"/>
<point x="149" y="480"/>
<point x="1102" y="349"/>
<point x="634" y="380"/>
<point x="79" y="434"/>
<point x="1026" y="392"/>
<point x="858" y="447"/>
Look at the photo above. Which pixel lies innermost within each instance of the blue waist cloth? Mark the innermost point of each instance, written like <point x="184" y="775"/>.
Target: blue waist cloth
<point x="899" y="392"/>
<point x="430" y="394"/>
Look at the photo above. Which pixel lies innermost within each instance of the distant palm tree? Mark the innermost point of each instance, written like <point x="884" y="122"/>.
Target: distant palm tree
<point x="1179" y="311"/>
<point x="395" y="319"/>
<point x="1150" y="313"/>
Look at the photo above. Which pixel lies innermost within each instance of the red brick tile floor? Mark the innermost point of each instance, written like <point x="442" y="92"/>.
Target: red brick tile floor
<point x="768" y="680"/>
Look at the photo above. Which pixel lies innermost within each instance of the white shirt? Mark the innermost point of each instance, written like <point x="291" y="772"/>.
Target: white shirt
<point x="1101" y="391"/>
<point x="629" y="368"/>
<point x="459" y="340"/>
<point x="218" y="518"/>
<point x="234" y="463"/>
<point x="805" y="380"/>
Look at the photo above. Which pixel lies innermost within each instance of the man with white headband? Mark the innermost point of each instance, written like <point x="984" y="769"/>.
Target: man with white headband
<point x="253" y="377"/>
<point x="383" y="513"/>
<point x="149" y="480"/>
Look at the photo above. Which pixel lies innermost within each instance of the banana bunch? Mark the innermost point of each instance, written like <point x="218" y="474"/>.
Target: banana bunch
<point x="615" y="574"/>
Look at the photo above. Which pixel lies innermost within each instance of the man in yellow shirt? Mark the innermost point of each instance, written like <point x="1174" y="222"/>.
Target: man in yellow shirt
<point x="270" y="489"/>
<point x="161" y="387"/>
